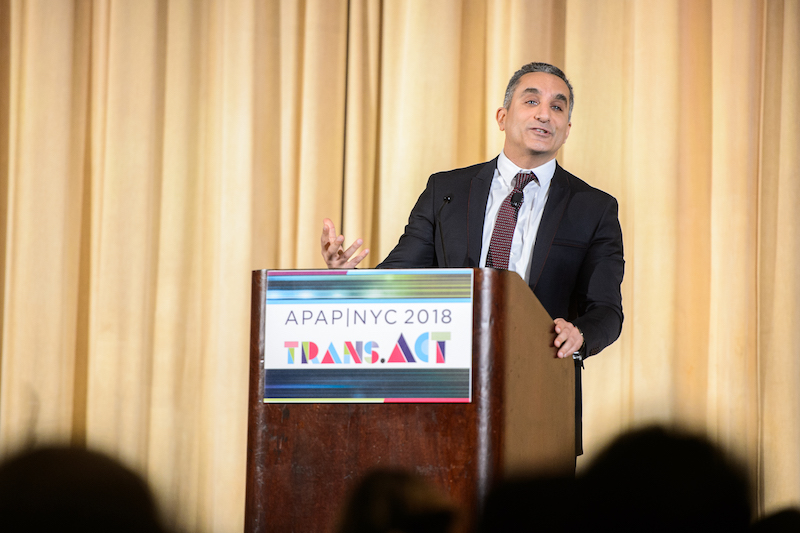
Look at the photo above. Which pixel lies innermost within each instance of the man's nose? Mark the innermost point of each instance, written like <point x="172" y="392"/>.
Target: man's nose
<point x="542" y="114"/>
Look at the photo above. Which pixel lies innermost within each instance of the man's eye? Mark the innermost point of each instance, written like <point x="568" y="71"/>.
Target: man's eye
<point x="557" y="107"/>
<point x="534" y="102"/>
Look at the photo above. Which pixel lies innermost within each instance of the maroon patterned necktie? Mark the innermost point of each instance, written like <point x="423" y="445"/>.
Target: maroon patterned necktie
<point x="500" y="245"/>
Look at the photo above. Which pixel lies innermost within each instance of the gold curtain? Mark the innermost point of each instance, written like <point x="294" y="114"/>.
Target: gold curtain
<point x="154" y="152"/>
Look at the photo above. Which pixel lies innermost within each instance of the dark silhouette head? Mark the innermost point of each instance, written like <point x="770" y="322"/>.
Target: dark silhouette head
<point x="531" y="504"/>
<point x="785" y="521"/>
<point x="398" y="502"/>
<point x="660" y="480"/>
<point x="70" y="489"/>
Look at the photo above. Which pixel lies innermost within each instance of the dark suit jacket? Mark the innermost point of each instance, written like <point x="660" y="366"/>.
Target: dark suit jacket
<point x="577" y="263"/>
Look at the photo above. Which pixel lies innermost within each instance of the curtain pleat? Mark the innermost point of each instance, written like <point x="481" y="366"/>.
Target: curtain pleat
<point x="42" y="207"/>
<point x="779" y="261"/>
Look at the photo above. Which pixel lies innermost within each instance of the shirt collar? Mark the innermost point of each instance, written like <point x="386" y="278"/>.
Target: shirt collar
<point x="508" y="170"/>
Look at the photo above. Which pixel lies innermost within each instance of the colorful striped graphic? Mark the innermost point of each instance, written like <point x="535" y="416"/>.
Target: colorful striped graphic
<point x="348" y="286"/>
<point x="375" y="385"/>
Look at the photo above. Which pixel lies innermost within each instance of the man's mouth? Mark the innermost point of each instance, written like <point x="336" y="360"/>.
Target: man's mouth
<point x="541" y="131"/>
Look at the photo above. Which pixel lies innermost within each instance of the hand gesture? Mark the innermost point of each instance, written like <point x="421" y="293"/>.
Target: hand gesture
<point x="332" y="251"/>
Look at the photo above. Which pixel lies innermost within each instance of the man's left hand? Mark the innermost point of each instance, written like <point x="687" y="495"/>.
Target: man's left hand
<point x="568" y="338"/>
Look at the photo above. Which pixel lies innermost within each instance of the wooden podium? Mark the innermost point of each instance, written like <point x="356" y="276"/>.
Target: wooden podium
<point x="304" y="459"/>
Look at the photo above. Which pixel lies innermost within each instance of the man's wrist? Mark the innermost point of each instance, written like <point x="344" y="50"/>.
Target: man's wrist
<point x="581" y="351"/>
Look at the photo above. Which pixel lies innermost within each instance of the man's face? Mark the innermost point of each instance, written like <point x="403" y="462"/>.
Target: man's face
<point x="536" y="122"/>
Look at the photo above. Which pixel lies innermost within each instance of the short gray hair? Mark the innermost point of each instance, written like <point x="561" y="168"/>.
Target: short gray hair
<point x="537" y="67"/>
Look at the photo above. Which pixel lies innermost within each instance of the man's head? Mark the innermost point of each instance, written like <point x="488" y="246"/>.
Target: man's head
<point x="536" y="114"/>
<point x="547" y="68"/>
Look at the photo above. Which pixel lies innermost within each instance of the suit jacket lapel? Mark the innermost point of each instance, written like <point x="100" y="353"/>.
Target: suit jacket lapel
<point x="479" y="189"/>
<point x="557" y="199"/>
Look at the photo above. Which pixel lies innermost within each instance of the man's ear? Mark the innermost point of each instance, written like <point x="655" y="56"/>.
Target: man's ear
<point x="501" y="118"/>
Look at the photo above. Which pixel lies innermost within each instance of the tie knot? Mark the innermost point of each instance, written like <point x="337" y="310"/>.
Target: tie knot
<point x="524" y="178"/>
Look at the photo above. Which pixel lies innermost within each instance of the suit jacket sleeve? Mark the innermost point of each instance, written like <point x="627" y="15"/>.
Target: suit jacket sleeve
<point x="598" y="299"/>
<point x="577" y="263"/>
<point x="416" y="248"/>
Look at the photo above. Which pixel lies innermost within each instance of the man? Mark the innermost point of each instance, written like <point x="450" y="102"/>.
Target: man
<point x="565" y="237"/>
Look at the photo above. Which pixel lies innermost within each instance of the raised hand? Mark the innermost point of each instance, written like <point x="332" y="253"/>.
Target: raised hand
<point x="334" y="254"/>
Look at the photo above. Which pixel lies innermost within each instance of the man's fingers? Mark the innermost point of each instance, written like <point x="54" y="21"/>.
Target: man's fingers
<point x="352" y="249"/>
<point x="333" y="253"/>
<point x="568" y="338"/>
<point x="357" y="259"/>
<point x="331" y="245"/>
<point x="328" y="233"/>
<point x="561" y="335"/>
<point x="337" y="257"/>
<point x="328" y="226"/>
<point x="334" y="246"/>
<point x="568" y="348"/>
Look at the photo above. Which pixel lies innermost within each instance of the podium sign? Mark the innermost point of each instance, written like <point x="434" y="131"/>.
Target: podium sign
<point x="368" y="336"/>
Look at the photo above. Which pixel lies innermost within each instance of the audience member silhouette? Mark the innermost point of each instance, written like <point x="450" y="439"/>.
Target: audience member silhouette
<point x="530" y="505"/>
<point x="785" y="521"/>
<point x="659" y="480"/>
<point x="70" y="489"/>
<point x="395" y="501"/>
<point x="653" y="480"/>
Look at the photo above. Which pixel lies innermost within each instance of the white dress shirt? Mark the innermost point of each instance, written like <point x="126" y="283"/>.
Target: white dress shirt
<point x="529" y="216"/>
